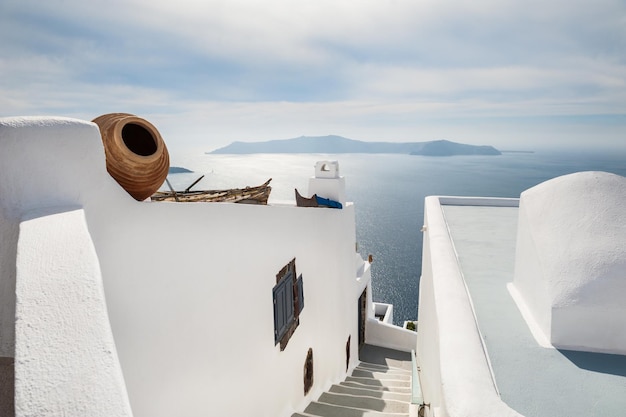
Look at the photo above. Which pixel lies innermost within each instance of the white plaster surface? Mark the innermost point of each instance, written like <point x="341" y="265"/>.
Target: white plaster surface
<point x="531" y="379"/>
<point x="188" y="286"/>
<point x="455" y="373"/>
<point x="327" y="183"/>
<point x="44" y="161"/>
<point x="533" y="326"/>
<point x="327" y="169"/>
<point x="571" y="260"/>
<point x="333" y="189"/>
<point x="65" y="358"/>
<point x="387" y="335"/>
<point x="383" y="309"/>
<point x="204" y="310"/>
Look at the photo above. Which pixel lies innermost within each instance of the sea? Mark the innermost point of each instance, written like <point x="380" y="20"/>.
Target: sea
<point x="388" y="191"/>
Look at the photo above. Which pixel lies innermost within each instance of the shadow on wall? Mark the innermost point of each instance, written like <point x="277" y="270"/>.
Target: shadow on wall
<point x="7" y="391"/>
<point x="597" y="362"/>
<point x="9" y="233"/>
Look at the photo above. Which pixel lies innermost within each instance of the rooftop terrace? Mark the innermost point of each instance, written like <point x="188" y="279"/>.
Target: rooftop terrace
<point x="533" y="380"/>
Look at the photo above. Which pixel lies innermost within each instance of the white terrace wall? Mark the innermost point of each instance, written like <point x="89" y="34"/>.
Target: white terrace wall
<point x="66" y="361"/>
<point x="189" y="289"/>
<point x="44" y="162"/>
<point x="455" y="376"/>
<point x="189" y="286"/>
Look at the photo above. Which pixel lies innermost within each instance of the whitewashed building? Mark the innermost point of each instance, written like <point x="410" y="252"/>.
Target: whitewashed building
<point x="112" y="307"/>
<point x="521" y="308"/>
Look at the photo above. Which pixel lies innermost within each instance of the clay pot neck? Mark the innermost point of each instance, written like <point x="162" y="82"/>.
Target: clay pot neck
<point x="138" y="139"/>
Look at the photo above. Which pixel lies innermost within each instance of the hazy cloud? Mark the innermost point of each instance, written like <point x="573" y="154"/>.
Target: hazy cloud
<point x="373" y="69"/>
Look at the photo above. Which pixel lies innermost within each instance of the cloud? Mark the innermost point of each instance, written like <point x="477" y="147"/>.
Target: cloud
<point x="392" y="69"/>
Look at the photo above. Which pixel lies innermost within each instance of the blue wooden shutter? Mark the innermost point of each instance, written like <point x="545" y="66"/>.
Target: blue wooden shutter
<point x="283" y="306"/>
<point x="300" y="287"/>
<point x="289" y="296"/>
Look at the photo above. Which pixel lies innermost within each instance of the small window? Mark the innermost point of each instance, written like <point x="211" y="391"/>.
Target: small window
<point x="288" y="297"/>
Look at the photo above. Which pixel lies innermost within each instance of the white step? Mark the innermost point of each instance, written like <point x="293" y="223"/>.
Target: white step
<point x="375" y="387"/>
<point x="385" y="395"/>
<point x="364" y="403"/>
<point x="381" y="375"/>
<point x="381" y="368"/>
<point x="373" y="390"/>
<point x="377" y="368"/>
<point x="328" y="410"/>
<point x="379" y="382"/>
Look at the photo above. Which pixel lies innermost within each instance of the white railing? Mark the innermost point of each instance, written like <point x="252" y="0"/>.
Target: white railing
<point x="417" y="399"/>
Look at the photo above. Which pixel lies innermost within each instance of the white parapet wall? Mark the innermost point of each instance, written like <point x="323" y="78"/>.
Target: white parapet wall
<point x="206" y="304"/>
<point x="455" y="375"/>
<point x="383" y="312"/>
<point x="65" y="357"/>
<point x="188" y="286"/>
<point x="44" y="162"/>
<point x="387" y="335"/>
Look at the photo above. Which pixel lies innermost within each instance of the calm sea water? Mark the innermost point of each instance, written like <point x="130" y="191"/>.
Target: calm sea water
<point x="388" y="192"/>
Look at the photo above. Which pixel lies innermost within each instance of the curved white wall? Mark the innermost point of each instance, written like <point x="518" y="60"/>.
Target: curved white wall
<point x="570" y="267"/>
<point x="44" y="162"/>
<point x="188" y="286"/>
<point x="66" y="361"/>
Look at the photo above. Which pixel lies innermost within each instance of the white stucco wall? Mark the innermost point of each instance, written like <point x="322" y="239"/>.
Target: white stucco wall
<point x="44" y="162"/>
<point x="190" y="289"/>
<point x="570" y="265"/>
<point x="65" y="357"/>
<point x="455" y="375"/>
<point x="387" y="335"/>
<point x="188" y="286"/>
<point x="327" y="183"/>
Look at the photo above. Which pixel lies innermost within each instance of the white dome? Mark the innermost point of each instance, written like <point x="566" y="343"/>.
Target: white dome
<point x="570" y="267"/>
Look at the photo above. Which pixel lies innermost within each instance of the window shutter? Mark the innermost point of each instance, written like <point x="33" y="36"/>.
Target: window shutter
<point x="300" y="287"/>
<point x="289" y="296"/>
<point x="283" y="306"/>
<point x="280" y="318"/>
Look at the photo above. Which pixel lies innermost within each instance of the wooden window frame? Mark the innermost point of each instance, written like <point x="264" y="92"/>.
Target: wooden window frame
<point x="288" y="296"/>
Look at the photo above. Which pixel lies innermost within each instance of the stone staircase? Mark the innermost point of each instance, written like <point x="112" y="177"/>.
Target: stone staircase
<point x="373" y="390"/>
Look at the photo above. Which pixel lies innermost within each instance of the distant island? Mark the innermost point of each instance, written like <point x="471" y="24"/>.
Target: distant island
<point x="339" y="144"/>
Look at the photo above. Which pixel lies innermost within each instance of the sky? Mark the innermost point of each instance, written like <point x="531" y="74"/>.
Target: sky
<point x="514" y="74"/>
